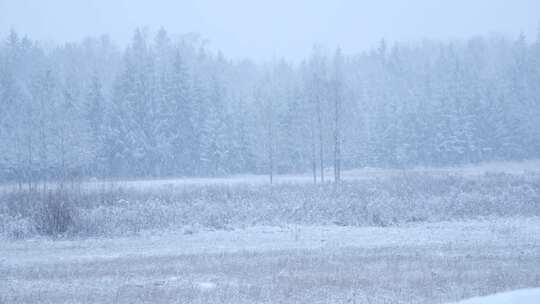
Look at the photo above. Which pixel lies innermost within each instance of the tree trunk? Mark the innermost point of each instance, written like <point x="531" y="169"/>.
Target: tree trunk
<point x="271" y="150"/>
<point x="321" y="144"/>
<point x="313" y="151"/>
<point x="337" y="142"/>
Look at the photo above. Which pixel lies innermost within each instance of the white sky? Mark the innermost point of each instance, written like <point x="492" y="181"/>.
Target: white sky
<point x="275" y="28"/>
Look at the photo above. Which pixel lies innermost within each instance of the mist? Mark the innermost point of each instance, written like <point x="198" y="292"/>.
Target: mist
<point x="266" y="30"/>
<point x="270" y="152"/>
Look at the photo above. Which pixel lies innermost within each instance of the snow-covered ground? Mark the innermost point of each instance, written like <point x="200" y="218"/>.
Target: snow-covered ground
<point x="523" y="296"/>
<point x="500" y="232"/>
<point x="514" y="167"/>
<point x="411" y="262"/>
<point x="509" y="167"/>
<point x="417" y="263"/>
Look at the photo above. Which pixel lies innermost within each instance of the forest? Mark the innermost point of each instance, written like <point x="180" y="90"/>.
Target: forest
<point x="166" y="105"/>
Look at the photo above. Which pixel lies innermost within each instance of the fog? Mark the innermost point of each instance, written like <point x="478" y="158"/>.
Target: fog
<point x="264" y="30"/>
<point x="365" y="152"/>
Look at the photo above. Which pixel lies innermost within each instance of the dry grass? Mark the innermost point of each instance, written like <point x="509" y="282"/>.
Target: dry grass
<point x="410" y="197"/>
<point x="348" y="275"/>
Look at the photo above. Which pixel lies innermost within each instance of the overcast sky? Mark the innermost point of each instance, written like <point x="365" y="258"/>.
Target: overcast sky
<point x="264" y="30"/>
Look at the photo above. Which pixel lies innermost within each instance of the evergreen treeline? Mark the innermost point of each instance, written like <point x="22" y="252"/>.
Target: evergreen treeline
<point x="169" y="107"/>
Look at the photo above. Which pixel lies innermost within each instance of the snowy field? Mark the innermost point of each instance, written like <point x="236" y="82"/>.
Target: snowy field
<point x="415" y="236"/>
<point x="417" y="263"/>
<point x="524" y="296"/>
<point x="507" y="167"/>
<point x="529" y="166"/>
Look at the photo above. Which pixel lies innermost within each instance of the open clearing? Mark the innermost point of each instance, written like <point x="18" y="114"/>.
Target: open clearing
<point x="417" y="263"/>
<point x="506" y="167"/>
<point x="388" y="236"/>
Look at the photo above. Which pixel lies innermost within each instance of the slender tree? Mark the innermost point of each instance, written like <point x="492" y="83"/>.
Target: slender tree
<point x="337" y="85"/>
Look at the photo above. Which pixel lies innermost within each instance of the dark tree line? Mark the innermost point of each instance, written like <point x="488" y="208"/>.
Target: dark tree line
<point x="169" y="107"/>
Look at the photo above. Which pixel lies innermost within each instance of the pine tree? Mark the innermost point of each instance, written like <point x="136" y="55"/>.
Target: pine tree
<point x="183" y="115"/>
<point x="95" y="113"/>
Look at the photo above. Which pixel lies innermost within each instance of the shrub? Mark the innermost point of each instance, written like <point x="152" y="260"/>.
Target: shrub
<point x="372" y="202"/>
<point x="16" y="228"/>
<point x="56" y="215"/>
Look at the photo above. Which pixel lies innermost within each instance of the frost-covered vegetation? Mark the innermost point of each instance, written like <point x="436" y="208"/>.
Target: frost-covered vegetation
<point x="404" y="198"/>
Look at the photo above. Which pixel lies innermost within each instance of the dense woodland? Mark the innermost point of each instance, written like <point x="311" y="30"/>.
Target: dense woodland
<point x="168" y="106"/>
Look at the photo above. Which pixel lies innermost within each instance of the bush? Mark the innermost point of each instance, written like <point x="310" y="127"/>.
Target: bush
<point x="376" y="202"/>
<point x="56" y="215"/>
<point x="16" y="228"/>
